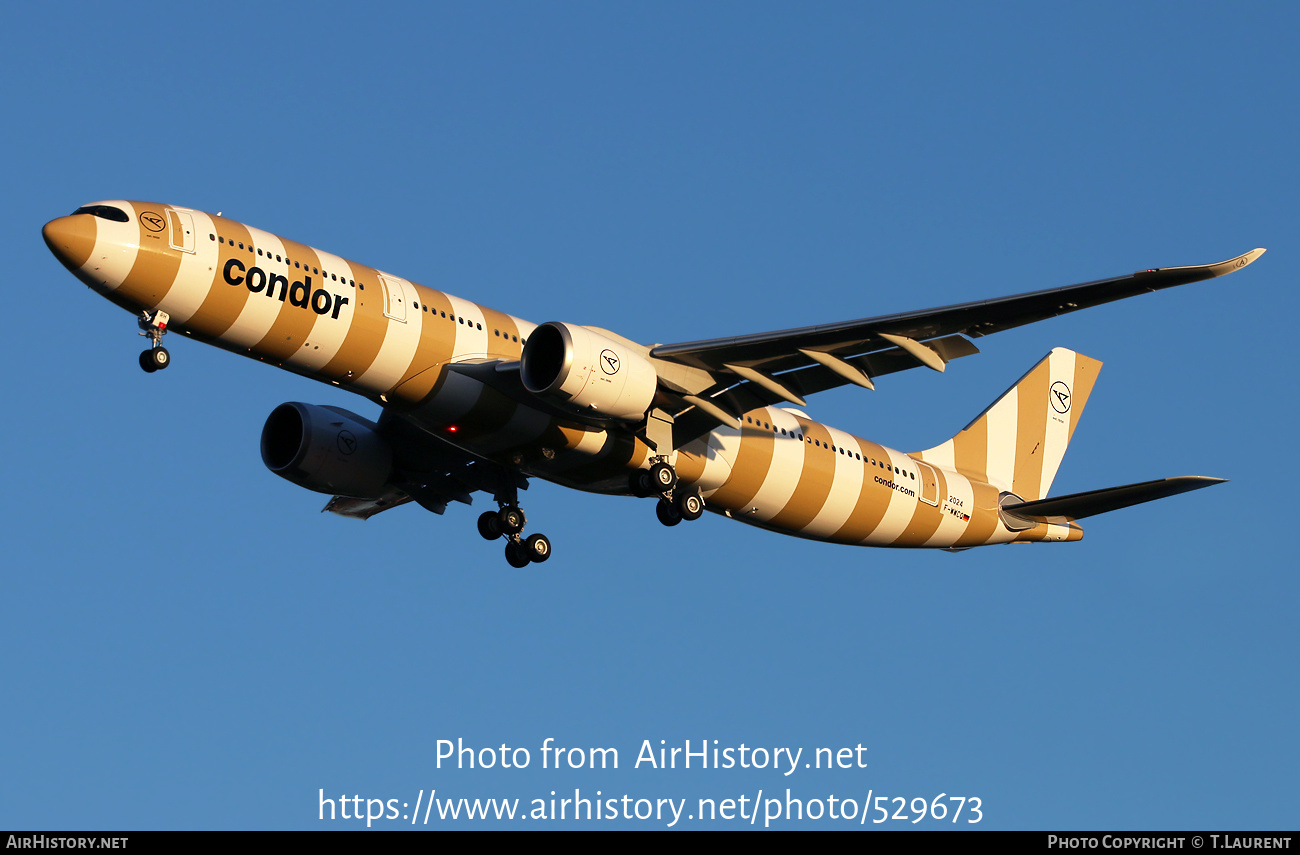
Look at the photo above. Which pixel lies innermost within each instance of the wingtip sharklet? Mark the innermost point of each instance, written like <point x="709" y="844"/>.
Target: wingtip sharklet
<point x="1225" y="267"/>
<point x="1221" y="268"/>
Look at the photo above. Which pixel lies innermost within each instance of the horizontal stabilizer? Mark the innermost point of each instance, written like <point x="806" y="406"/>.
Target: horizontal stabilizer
<point x="1076" y="506"/>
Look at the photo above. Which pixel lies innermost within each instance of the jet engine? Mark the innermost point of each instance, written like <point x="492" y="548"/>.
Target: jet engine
<point x="326" y="449"/>
<point x="588" y="372"/>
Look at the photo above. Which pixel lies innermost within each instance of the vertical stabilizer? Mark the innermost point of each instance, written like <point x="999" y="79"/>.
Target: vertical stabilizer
<point x="1018" y="442"/>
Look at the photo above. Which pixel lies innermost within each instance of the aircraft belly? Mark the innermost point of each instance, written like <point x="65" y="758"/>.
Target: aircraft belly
<point x="524" y="426"/>
<point x="454" y="396"/>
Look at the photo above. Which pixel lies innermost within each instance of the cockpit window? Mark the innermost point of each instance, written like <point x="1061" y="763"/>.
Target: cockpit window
<point x="107" y="212"/>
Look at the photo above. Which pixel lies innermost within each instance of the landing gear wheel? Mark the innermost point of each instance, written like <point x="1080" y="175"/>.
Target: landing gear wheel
<point x="663" y="477"/>
<point x="667" y="512"/>
<point x="638" y="482"/>
<point x="153" y="326"/>
<point x="489" y="525"/>
<point x="690" y="506"/>
<point x="537" y="548"/>
<point x="516" y="554"/>
<point x="512" y="520"/>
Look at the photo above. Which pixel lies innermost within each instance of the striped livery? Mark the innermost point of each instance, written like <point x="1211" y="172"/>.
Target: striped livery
<point x="429" y="359"/>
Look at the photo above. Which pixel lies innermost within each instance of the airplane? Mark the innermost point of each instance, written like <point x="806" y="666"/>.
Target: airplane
<point x="475" y="400"/>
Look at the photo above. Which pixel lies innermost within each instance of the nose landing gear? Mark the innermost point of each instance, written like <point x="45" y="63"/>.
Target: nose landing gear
<point x="154" y="326"/>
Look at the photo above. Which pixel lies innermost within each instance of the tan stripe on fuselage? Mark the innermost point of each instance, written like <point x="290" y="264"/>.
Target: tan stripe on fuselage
<point x="815" y="481"/>
<point x="366" y="333"/>
<point x="872" y="501"/>
<point x="156" y="263"/>
<point x="984" y="522"/>
<point x="293" y="324"/>
<point x="224" y="302"/>
<point x="435" y="348"/>
<point x="845" y="489"/>
<point x="750" y="470"/>
<point x="329" y="329"/>
<point x="782" y="477"/>
<point x="198" y="271"/>
<point x="925" y="517"/>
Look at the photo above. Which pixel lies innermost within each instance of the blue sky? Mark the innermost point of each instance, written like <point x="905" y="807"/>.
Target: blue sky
<point x="189" y="643"/>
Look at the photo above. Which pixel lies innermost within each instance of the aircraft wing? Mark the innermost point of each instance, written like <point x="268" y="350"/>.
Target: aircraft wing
<point x="782" y="350"/>
<point x="788" y="364"/>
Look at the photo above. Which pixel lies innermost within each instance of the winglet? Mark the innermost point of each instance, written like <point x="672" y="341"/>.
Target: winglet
<point x="1210" y="271"/>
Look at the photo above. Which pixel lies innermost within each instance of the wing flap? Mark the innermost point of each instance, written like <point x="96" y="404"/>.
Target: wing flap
<point x="364" y="509"/>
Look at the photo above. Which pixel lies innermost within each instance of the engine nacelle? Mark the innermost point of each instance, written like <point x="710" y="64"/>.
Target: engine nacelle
<point x="589" y="372"/>
<point x="326" y="449"/>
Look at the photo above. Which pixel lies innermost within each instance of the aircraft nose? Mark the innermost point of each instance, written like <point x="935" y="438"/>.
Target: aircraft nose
<point x="71" y="239"/>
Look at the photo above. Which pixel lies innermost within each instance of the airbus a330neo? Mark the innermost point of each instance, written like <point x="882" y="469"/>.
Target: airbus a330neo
<point x="473" y="399"/>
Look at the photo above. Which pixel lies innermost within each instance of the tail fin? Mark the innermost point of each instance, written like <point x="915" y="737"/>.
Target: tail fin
<point x="1018" y="442"/>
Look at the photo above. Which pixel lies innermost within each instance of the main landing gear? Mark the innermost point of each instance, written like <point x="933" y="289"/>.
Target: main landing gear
<point x="509" y="523"/>
<point x="674" y="504"/>
<point x="154" y="326"/>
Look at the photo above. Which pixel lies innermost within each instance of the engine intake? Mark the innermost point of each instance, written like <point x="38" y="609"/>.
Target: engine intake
<point x="326" y="449"/>
<point x="589" y="372"/>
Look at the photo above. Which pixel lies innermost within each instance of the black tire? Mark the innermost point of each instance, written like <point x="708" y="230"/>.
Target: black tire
<point x="690" y="505"/>
<point x="537" y="548"/>
<point x="667" y="512"/>
<point x="489" y="526"/>
<point x="516" y="555"/>
<point x="146" y="361"/>
<point x="512" y="520"/>
<point x="160" y="358"/>
<point x="663" y="477"/>
<point x="638" y="482"/>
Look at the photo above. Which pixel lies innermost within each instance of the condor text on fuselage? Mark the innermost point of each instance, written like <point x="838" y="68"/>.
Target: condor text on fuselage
<point x="299" y="294"/>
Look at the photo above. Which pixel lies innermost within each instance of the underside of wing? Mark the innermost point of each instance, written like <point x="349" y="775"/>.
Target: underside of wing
<point x="428" y="471"/>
